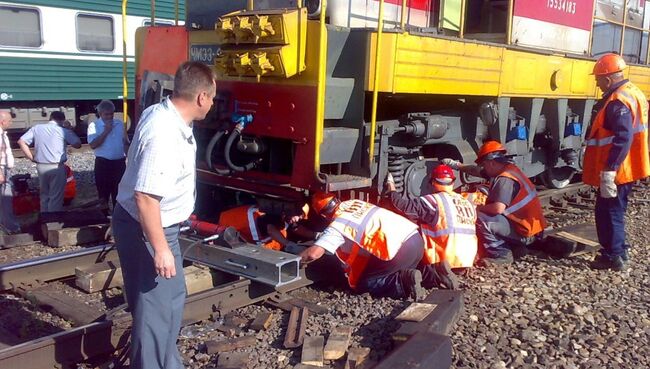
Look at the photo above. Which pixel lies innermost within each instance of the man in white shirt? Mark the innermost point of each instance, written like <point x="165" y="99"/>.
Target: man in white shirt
<point x="107" y="137"/>
<point x="50" y="140"/>
<point x="156" y="193"/>
<point x="7" y="218"/>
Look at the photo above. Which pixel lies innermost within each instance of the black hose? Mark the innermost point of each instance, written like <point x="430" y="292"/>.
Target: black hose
<point x="234" y="135"/>
<point x="208" y="153"/>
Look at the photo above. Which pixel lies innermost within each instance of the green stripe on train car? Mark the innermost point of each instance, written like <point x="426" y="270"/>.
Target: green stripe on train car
<point x="61" y="79"/>
<point x="164" y="8"/>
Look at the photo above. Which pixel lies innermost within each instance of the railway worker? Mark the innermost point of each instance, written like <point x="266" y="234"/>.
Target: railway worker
<point x="616" y="155"/>
<point x="447" y="221"/>
<point x="266" y="229"/>
<point x="155" y="195"/>
<point x="107" y="136"/>
<point x="512" y="215"/>
<point x="380" y="250"/>
<point x="50" y="140"/>
<point x="7" y="219"/>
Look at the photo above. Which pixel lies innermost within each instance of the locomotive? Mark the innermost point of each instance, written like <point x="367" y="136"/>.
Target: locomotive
<point x="333" y="95"/>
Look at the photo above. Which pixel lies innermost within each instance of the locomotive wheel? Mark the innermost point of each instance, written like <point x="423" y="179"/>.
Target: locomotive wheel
<point x="558" y="177"/>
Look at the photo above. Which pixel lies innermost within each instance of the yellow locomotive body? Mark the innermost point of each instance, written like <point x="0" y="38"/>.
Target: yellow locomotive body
<point x="303" y="104"/>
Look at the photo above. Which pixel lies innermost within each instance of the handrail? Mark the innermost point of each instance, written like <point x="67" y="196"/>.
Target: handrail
<point x="402" y="22"/>
<point x="623" y="29"/>
<point x="153" y="12"/>
<point x="375" y="88"/>
<point x="176" y="13"/>
<point x="511" y="10"/>
<point x="320" y="94"/>
<point x="125" y="82"/>
<point x="250" y="5"/>
<point x="461" y="26"/>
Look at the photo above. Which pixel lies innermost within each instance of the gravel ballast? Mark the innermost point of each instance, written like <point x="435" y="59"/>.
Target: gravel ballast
<point x="538" y="313"/>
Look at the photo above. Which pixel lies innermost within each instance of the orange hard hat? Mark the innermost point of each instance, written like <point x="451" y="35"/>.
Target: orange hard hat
<point x="608" y="64"/>
<point x="324" y="202"/>
<point x="490" y="147"/>
<point x="443" y="174"/>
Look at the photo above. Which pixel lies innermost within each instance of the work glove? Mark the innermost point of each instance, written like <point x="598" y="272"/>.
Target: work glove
<point x="453" y="164"/>
<point x="607" y="184"/>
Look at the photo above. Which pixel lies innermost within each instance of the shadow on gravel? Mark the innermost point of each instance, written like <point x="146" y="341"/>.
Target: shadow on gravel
<point x="20" y="322"/>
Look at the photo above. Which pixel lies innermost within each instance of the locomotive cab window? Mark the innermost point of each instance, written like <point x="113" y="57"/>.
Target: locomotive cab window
<point x="95" y="33"/>
<point x="20" y="27"/>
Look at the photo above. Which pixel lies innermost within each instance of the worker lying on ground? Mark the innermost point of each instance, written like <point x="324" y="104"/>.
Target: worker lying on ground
<point x="380" y="250"/>
<point x="267" y="230"/>
<point x="512" y="215"/>
<point x="447" y="220"/>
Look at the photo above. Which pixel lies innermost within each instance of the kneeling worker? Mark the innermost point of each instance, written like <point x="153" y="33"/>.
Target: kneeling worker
<point x="379" y="249"/>
<point x="512" y="215"/>
<point x="446" y="218"/>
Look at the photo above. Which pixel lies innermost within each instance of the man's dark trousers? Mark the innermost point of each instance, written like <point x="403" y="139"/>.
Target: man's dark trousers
<point x="156" y="303"/>
<point x="610" y="221"/>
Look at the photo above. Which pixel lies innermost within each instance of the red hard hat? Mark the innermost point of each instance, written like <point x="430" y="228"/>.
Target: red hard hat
<point x="443" y="174"/>
<point x="608" y="64"/>
<point x="488" y="148"/>
<point x="324" y="202"/>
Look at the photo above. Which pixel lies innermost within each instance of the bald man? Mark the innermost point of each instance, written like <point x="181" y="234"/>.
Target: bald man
<point x="7" y="219"/>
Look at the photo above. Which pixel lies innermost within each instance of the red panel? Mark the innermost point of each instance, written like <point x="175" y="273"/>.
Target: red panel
<point x="413" y="4"/>
<point x="572" y="13"/>
<point x="165" y="48"/>
<point x="280" y="111"/>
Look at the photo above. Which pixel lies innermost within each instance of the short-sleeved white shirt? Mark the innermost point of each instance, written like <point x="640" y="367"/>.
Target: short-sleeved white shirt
<point x="161" y="162"/>
<point x="113" y="146"/>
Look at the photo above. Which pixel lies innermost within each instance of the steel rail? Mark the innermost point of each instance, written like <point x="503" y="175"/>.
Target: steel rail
<point x="104" y="337"/>
<point x="52" y="267"/>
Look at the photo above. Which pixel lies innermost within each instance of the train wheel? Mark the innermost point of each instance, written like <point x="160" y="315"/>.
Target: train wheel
<point x="558" y="177"/>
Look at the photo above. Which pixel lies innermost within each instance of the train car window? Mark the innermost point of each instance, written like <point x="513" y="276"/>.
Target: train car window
<point x="630" y="18"/>
<point x="95" y="33"/>
<point x="20" y="27"/>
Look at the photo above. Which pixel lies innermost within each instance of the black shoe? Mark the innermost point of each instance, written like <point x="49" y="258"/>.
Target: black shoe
<point x="626" y="255"/>
<point x="605" y="262"/>
<point x="445" y="276"/>
<point x="498" y="261"/>
<point x="412" y="283"/>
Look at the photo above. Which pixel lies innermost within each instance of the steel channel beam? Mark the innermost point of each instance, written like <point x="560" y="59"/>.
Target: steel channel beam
<point x="274" y="268"/>
<point x="48" y="268"/>
<point x="70" y="347"/>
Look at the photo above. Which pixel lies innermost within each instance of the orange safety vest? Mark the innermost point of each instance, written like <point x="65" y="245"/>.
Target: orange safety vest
<point x="525" y="211"/>
<point x="636" y="164"/>
<point x="244" y="220"/>
<point x="453" y="237"/>
<point x="374" y="232"/>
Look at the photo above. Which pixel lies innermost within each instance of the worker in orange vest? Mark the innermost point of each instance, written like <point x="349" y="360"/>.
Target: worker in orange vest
<point x="267" y="230"/>
<point x="447" y="220"/>
<point x="616" y="155"/>
<point x="512" y="215"/>
<point x="379" y="250"/>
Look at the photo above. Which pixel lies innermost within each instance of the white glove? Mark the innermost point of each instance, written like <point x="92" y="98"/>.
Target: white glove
<point x="607" y="185"/>
<point x="389" y="179"/>
<point x="453" y="164"/>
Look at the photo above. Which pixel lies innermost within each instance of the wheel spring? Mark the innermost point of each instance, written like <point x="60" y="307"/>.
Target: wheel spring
<point x="396" y="167"/>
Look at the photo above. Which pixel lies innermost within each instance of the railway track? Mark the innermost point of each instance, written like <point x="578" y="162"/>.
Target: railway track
<point x="109" y="334"/>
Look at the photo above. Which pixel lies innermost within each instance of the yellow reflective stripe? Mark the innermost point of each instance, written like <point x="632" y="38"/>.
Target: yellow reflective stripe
<point x="599" y="142"/>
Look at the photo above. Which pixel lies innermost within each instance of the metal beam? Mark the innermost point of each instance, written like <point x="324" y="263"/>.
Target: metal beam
<point x="274" y="268"/>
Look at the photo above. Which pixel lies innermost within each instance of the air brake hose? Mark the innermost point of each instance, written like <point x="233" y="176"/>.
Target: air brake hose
<point x="208" y="154"/>
<point x="234" y="135"/>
